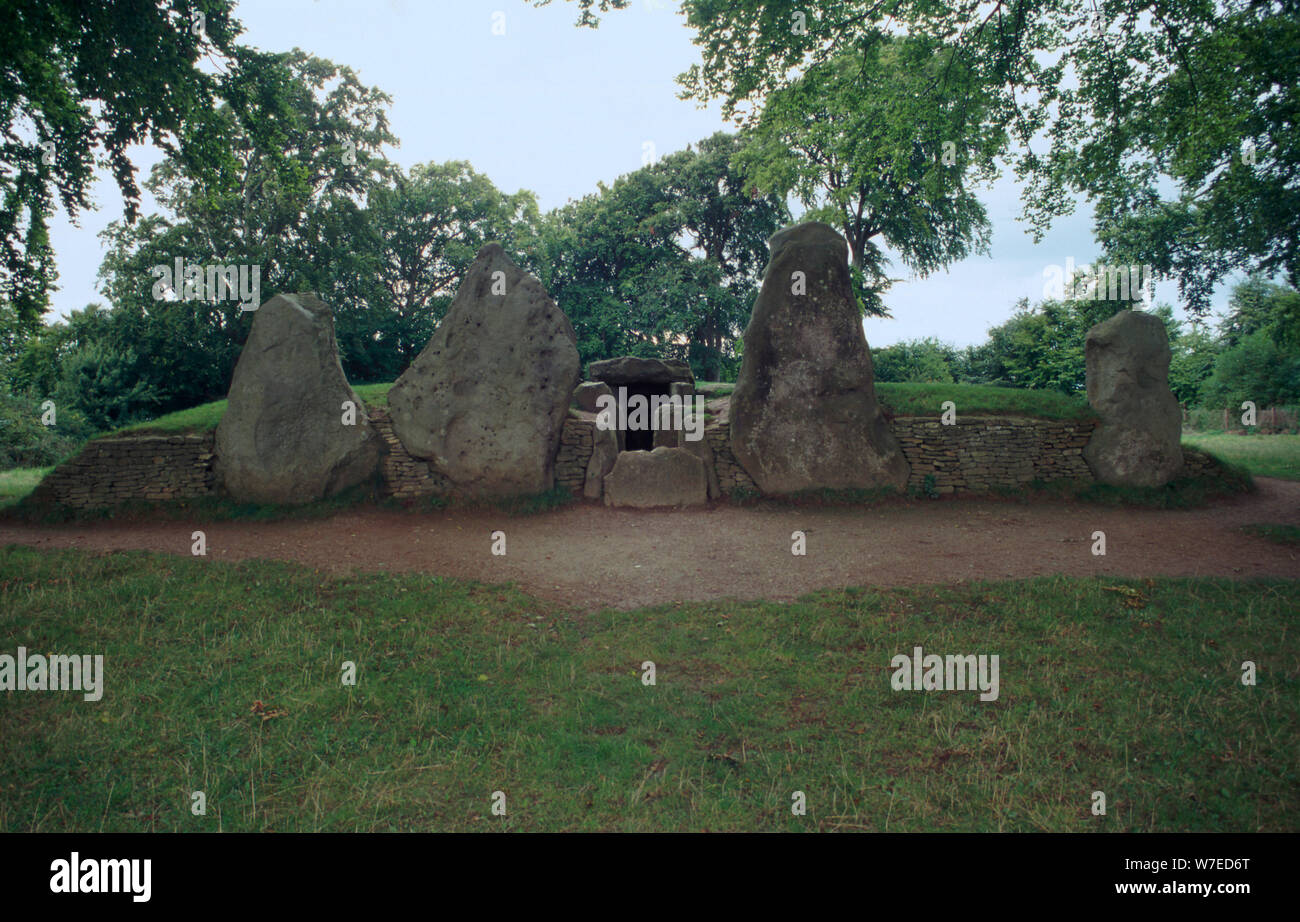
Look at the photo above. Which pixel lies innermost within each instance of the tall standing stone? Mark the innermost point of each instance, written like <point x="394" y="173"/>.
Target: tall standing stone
<point x="804" y="413"/>
<point x="287" y="435"/>
<point x="1138" y="443"/>
<point x="485" y="401"/>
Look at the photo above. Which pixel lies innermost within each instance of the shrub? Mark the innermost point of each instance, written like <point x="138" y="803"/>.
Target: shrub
<point x="26" y="442"/>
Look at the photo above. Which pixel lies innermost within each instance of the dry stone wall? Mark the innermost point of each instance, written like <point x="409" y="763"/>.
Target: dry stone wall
<point x="731" y="476"/>
<point x="979" y="453"/>
<point x="150" y="468"/>
<point x="403" y="475"/>
<point x="576" y="441"/>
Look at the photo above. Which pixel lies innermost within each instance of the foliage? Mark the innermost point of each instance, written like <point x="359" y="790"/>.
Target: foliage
<point x="1254" y="369"/>
<point x="920" y="360"/>
<point x="1194" y="354"/>
<point x="865" y="149"/>
<point x="82" y="82"/>
<point x="1258" y="304"/>
<point x="663" y="263"/>
<point x="427" y="226"/>
<point x="26" y="442"/>
<point x="1175" y="118"/>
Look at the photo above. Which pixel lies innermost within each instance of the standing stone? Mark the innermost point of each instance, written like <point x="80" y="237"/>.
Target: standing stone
<point x="663" y="477"/>
<point x="485" y="402"/>
<point x="283" y="438"/>
<point x="1138" y="443"/>
<point x="604" y="452"/>
<point x="804" y="413"/>
<point x="666" y="436"/>
<point x="588" y="392"/>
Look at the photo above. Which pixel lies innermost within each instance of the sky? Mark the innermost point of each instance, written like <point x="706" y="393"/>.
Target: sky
<point x="535" y="102"/>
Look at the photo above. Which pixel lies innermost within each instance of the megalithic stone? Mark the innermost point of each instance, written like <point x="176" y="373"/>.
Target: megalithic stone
<point x="485" y="401"/>
<point x="1138" y="442"/>
<point x="287" y="435"/>
<point x="804" y="413"/>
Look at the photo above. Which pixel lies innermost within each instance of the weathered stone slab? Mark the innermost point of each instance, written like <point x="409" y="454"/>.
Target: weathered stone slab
<point x="1139" y="440"/>
<point x="804" y="413"/>
<point x="285" y="436"/>
<point x="629" y="370"/>
<point x="663" y="477"/>
<point x="485" y="402"/>
<point x="588" y="392"/>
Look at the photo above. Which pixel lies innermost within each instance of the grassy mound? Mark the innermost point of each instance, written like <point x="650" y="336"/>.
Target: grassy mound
<point x="206" y="416"/>
<point x="899" y="399"/>
<point x="981" y="400"/>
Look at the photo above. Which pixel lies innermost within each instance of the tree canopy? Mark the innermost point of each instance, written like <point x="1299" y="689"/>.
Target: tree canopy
<point x="79" y="84"/>
<point x="1175" y="118"/>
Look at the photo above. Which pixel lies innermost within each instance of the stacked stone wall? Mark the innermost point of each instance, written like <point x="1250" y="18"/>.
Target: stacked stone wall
<point x="145" y="467"/>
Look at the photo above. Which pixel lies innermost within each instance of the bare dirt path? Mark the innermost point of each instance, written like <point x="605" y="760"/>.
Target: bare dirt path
<point x="590" y="557"/>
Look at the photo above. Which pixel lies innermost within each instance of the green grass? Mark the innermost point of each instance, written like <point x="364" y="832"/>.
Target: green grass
<point x="980" y="400"/>
<point x="195" y="419"/>
<point x="16" y="483"/>
<point x="1262" y="455"/>
<point x="206" y="416"/>
<point x="465" y="689"/>
<point x="1279" y="534"/>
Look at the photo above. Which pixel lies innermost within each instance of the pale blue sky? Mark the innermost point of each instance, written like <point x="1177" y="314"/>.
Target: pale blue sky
<point x="555" y="109"/>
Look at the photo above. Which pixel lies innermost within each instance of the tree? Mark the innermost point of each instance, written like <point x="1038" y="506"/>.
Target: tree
<point x="1258" y="304"/>
<point x="926" y="361"/>
<point x="711" y="215"/>
<point x="1254" y="369"/>
<point x="1192" y="363"/>
<point x="1120" y="102"/>
<point x="79" y="84"/>
<point x="428" y="228"/>
<point x="663" y="263"/>
<point x="865" y="149"/>
<point x="1043" y="346"/>
<point x="302" y="143"/>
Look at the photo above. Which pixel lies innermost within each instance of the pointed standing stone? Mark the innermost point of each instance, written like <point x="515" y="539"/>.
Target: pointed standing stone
<point x="804" y="413"/>
<point x="284" y="437"/>
<point x="1139" y="441"/>
<point x="485" y="401"/>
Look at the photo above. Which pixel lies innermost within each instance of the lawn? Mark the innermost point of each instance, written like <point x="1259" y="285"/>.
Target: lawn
<point x="1262" y="455"/>
<point x="18" y="482"/>
<point x="225" y="678"/>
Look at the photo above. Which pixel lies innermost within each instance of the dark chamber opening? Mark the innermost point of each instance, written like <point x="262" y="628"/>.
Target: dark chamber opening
<point x="642" y="439"/>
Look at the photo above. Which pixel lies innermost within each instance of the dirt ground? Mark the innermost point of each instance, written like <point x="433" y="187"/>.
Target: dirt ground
<point x="589" y="557"/>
